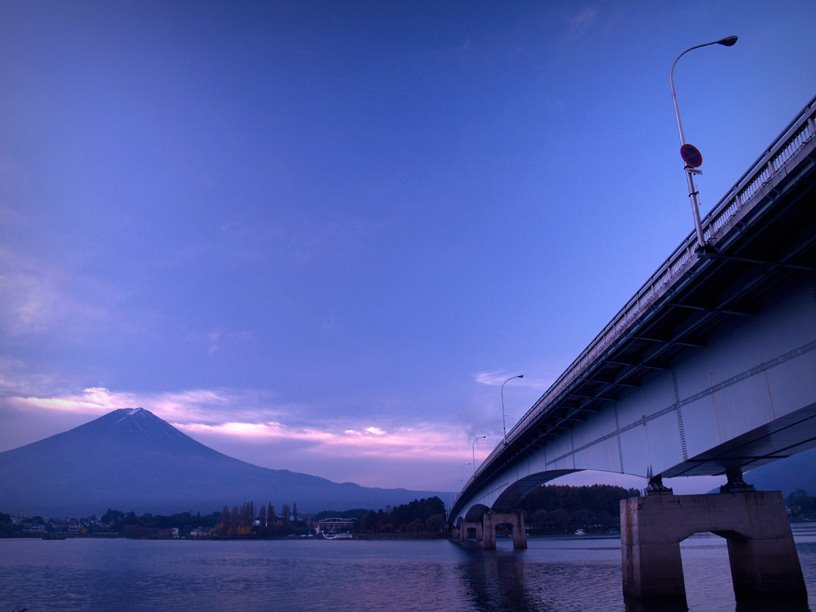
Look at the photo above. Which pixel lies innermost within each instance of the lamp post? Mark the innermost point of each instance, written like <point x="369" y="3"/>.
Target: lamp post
<point x="473" y="450"/>
<point x="504" y="425"/>
<point x="691" y="156"/>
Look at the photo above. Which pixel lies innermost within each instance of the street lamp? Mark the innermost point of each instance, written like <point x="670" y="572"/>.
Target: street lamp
<point x="691" y="156"/>
<point x="504" y="426"/>
<point x="473" y="450"/>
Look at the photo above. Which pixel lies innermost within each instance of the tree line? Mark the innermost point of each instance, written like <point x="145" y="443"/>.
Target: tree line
<point x="246" y="520"/>
<point x="564" y="509"/>
<point x="549" y="509"/>
<point x="801" y="505"/>
<point x="419" y="518"/>
<point x="243" y="520"/>
<point x="422" y="517"/>
<point x="149" y="525"/>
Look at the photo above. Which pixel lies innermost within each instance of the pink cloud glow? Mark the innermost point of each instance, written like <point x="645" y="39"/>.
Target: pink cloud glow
<point x="226" y="418"/>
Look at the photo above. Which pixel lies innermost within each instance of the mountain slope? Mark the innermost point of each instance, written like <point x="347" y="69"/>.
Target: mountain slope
<point x="786" y="475"/>
<point x="130" y="459"/>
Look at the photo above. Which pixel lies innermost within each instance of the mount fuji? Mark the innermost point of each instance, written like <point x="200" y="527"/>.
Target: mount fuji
<point x="130" y="459"/>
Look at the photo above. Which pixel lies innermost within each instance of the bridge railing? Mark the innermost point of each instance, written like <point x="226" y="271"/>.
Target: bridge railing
<point x="728" y="211"/>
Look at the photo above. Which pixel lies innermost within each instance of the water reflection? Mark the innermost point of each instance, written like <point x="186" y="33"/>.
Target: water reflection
<point x="556" y="574"/>
<point x="550" y="575"/>
<point x="495" y="580"/>
<point x="553" y="574"/>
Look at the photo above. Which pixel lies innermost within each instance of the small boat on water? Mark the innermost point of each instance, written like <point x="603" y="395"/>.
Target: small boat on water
<point x="343" y="535"/>
<point x="53" y="535"/>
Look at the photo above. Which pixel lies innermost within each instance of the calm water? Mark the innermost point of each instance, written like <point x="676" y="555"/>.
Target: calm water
<point x="577" y="573"/>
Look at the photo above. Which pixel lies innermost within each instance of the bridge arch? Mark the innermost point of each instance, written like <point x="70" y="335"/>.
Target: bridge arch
<point x="476" y="512"/>
<point x="508" y="496"/>
<point x="512" y="496"/>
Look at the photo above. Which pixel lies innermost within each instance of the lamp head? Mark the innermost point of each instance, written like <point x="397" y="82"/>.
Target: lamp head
<point x="728" y="41"/>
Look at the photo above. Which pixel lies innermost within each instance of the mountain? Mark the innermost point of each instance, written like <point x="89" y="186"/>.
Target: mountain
<point x="130" y="459"/>
<point x="786" y="475"/>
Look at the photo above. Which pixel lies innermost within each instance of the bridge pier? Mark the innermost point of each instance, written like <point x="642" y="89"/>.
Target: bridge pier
<point x="469" y="527"/>
<point x="761" y="550"/>
<point x="516" y="519"/>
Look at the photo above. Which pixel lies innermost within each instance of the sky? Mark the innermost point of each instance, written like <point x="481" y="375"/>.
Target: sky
<point x="319" y="236"/>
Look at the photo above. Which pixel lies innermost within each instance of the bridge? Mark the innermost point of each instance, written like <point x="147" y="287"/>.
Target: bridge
<point x="710" y="368"/>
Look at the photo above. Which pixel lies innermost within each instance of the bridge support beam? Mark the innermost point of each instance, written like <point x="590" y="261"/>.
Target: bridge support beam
<point x="516" y="519"/>
<point x="469" y="528"/>
<point x="761" y="550"/>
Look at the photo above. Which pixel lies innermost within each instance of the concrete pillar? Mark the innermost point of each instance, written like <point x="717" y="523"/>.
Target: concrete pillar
<point x="761" y="550"/>
<point x="766" y="566"/>
<point x="464" y="530"/>
<point x="650" y="562"/>
<point x="516" y="519"/>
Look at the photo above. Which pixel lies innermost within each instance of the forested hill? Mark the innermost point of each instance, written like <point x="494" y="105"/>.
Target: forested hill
<point x="549" y="509"/>
<point x="563" y="509"/>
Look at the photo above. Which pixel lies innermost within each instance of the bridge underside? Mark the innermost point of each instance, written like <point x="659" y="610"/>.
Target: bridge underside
<point x="779" y="439"/>
<point x="713" y="374"/>
<point x="734" y="349"/>
<point x="708" y="369"/>
<point x="512" y="496"/>
<point x="745" y="400"/>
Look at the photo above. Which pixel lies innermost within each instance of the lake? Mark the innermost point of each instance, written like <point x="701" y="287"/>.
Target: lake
<point x="567" y="573"/>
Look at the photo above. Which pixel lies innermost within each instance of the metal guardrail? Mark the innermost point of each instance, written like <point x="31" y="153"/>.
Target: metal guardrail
<point x="728" y="210"/>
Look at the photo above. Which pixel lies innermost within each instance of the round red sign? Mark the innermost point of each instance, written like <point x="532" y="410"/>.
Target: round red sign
<point x="691" y="155"/>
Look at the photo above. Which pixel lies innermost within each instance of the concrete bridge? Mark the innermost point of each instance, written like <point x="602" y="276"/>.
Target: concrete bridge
<point x="709" y="369"/>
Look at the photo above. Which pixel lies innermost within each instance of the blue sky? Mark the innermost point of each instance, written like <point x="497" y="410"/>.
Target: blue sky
<point x="319" y="235"/>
